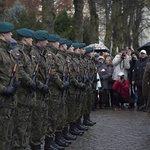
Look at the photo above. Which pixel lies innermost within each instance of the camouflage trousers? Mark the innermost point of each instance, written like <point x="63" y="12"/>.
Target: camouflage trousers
<point x="22" y="131"/>
<point x="6" y="127"/>
<point x="39" y="122"/>
<point x="74" y="107"/>
<point x="61" y="114"/>
<point x="53" y="106"/>
<point x="87" y="101"/>
<point x="7" y="115"/>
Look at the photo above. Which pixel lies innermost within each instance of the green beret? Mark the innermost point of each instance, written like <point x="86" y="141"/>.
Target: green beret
<point x="6" y="27"/>
<point x="62" y="41"/>
<point x="68" y="43"/>
<point x="75" y="45"/>
<point x="41" y="35"/>
<point x="81" y="45"/>
<point x="53" y="38"/>
<point x="25" y="32"/>
<point x="89" y="49"/>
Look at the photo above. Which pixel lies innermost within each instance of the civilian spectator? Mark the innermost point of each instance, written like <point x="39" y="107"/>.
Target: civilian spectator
<point x="121" y="91"/>
<point x="121" y="63"/>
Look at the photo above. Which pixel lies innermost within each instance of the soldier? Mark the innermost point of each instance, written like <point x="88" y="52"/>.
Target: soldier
<point x="145" y="86"/>
<point x="40" y="112"/>
<point x="26" y="92"/>
<point x="7" y="87"/>
<point x="56" y="87"/>
<point x="76" y="90"/>
<point x="61" y="54"/>
<point x="91" y="84"/>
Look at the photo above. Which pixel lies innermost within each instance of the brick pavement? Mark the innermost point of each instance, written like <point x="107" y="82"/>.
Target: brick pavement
<point x="115" y="130"/>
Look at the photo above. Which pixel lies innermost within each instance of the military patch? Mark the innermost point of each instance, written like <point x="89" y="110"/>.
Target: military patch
<point x="103" y="70"/>
<point x="33" y="56"/>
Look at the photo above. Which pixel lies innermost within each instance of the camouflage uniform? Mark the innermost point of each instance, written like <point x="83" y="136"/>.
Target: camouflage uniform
<point x="26" y="99"/>
<point x="7" y="102"/>
<point x="40" y="112"/>
<point x="76" y="93"/>
<point x="74" y="97"/>
<point x="91" y="85"/>
<point x="56" y="84"/>
<point x="62" y="118"/>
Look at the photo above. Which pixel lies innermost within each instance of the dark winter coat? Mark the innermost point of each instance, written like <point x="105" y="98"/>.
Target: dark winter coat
<point x="139" y="71"/>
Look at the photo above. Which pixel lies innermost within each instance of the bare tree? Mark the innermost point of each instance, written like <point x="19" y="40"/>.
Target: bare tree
<point x="48" y="14"/>
<point x="2" y="8"/>
<point x="94" y="22"/>
<point x="78" y="19"/>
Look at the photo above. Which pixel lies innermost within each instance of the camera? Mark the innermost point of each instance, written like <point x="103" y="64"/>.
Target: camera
<point x="123" y="55"/>
<point x="134" y="57"/>
<point x="122" y="77"/>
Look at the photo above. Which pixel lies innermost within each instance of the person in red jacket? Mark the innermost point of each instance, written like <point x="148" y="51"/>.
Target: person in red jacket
<point x="121" y="88"/>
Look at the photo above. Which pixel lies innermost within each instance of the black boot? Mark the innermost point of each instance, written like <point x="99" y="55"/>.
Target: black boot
<point x="36" y="147"/>
<point x="48" y="144"/>
<point x="90" y="119"/>
<point x="81" y="126"/>
<point x="57" y="146"/>
<point x="68" y="135"/>
<point x="59" y="140"/>
<point x="73" y="130"/>
<point x="87" y="120"/>
<point x="65" y="140"/>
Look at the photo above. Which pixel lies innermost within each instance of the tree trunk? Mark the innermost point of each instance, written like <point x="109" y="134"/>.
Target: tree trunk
<point x="94" y="22"/>
<point x="2" y="8"/>
<point x="48" y="14"/>
<point x="78" y="20"/>
<point x="109" y="25"/>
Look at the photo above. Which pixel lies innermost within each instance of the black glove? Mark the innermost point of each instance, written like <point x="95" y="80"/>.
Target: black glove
<point x="86" y="80"/>
<point x="33" y="86"/>
<point x="66" y="85"/>
<point x="10" y="90"/>
<point x="82" y="86"/>
<point x="45" y="89"/>
<point x="17" y="84"/>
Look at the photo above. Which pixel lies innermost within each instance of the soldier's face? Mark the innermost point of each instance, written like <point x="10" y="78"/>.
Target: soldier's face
<point x="63" y="47"/>
<point x="56" y="44"/>
<point x="43" y="43"/>
<point x="70" y="50"/>
<point x="82" y="50"/>
<point x="77" y="51"/>
<point x="28" y="41"/>
<point x="7" y="36"/>
<point x="91" y="54"/>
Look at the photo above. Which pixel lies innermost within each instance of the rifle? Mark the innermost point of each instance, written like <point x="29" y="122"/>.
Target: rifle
<point x="47" y="79"/>
<point x="65" y="77"/>
<point x="78" y="78"/>
<point x="13" y="74"/>
<point x="14" y="71"/>
<point x="36" y="68"/>
<point x="86" y="73"/>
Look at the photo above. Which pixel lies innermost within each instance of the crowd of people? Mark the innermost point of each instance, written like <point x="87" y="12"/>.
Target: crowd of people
<point x="122" y="80"/>
<point x="49" y="86"/>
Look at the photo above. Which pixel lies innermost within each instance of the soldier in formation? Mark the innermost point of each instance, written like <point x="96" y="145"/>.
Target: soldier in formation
<point x="47" y="89"/>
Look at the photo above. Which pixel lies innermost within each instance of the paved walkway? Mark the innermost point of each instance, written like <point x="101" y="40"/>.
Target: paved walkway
<point x="116" y="130"/>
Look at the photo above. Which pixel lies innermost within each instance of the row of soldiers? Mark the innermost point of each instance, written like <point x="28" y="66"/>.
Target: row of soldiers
<point x="46" y="89"/>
